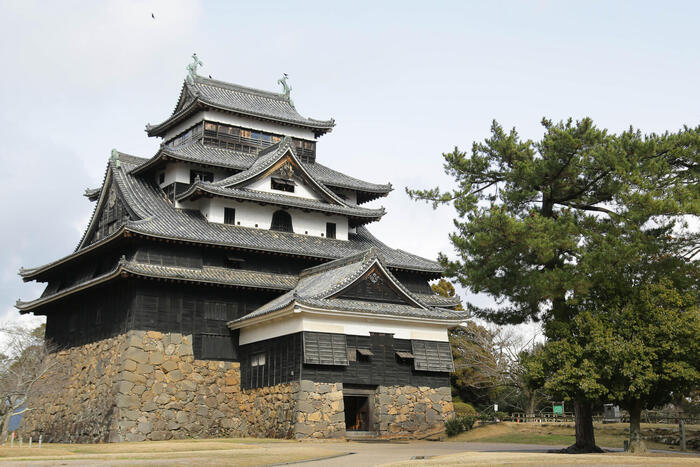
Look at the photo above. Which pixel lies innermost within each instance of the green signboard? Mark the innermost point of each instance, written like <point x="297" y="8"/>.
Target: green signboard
<point x="558" y="409"/>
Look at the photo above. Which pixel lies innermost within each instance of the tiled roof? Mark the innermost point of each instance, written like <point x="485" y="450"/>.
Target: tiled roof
<point x="241" y="100"/>
<point x="158" y="218"/>
<point x="198" y="153"/>
<point x="284" y="200"/>
<point x="318" y="286"/>
<point x="234" y="186"/>
<point x="206" y="274"/>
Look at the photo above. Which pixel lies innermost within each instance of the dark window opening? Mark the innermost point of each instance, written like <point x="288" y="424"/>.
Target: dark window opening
<point x="233" y="263"/>
<point x="281" y="221"/>
<point x="330" y="229"/>
<point x="229" y="216"/>
<point x="203" y="176"/>
<point x="161" y="178"/>
<point x="356" y="413"/>
<point x="283" y="185"/>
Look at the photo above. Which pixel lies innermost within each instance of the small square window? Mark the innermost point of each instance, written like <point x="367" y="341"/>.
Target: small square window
<point x="330" y="229"/>
<point x="257" y="360"/>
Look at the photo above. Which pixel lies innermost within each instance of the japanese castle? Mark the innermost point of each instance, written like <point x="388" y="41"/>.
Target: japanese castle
<point x="229" y="286"/>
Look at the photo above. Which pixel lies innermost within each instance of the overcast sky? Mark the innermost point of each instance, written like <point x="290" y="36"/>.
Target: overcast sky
<point x="405" y="82"/>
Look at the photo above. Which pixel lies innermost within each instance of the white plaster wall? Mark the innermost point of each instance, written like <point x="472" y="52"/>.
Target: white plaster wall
<point x="253" y="215"/>
<point x="350" y="195"/>
<point x="268" y="127"/>
<point x="182" y="126"/>
<point x="301" y="190"/>
<point x="298" y="322"/>
<point x="180" y="172"/>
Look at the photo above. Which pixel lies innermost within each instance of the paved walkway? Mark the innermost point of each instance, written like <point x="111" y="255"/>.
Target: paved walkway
<point x="377" y="453"/>
<point x="369" y="454"/>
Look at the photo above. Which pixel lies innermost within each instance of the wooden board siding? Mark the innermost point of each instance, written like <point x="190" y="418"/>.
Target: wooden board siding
<point x="283" y="361"/>
<point x="284" y="355"/>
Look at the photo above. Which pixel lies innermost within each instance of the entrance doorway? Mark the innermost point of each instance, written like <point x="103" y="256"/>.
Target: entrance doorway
<point x="357" y="413"/>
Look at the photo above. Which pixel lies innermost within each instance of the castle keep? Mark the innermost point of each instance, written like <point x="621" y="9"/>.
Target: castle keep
<point x="228" y="286"/>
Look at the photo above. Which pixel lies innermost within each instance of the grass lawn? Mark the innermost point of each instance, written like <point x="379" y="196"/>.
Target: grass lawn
<point x="244" y="452"/>
<point x="537" y="459"/>
<point x="607" y="435"/>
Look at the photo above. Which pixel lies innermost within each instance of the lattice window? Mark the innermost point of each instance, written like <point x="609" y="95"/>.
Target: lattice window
<point x="325" y="349"/>
<point x="432" y="356"/>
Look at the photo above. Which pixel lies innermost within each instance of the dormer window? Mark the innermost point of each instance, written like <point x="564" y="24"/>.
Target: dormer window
<point x="281" y="221"/>
<point x="283" y="185"/>
<point x="203" y="176"/>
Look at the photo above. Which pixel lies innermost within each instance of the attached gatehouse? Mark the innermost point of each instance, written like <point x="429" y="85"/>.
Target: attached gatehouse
<point x="228" y="286"/>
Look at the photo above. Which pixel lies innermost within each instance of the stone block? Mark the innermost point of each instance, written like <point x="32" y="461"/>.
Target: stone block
<point x="125" y="387"/>
<point x="135" y="354"/>
<point x="149" y="406"/>
<point x="145" y="427"/>
<point x="127" y="401"/>
<point x="132" y="377"/>
<point x="134" y="437"/>
<point x="144" y="369"/>
<point x="154" y="335"/>
<point x="169" y="365"/>
<point x="160" y="435"/>
<point x="307" y="386"/>
<point x="155" y="358"/>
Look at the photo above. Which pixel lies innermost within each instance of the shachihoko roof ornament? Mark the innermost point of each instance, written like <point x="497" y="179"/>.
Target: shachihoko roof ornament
<point x="286" y="88"/>
<point x="115" y="158"/>
<point x="192" y="68"/>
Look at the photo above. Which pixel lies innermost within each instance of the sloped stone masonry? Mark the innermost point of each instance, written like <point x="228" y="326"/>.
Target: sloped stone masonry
<point x="146" y="385"/>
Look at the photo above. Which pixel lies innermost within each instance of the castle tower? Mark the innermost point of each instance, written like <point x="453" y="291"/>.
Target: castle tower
<point x="228" y="286"/>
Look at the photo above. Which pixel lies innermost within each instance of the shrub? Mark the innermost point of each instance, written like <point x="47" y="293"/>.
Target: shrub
<point x="457" y="425"/>
<point x="468" y="422"/>
<point x="463" y="409"/>
<point x="453" y="426"/>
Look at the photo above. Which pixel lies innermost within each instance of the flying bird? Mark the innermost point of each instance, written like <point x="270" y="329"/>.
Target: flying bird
<point x="153" y="16"/>
<point x="209" y="76"/>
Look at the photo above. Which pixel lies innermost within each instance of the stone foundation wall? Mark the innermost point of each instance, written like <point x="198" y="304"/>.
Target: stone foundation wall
<point x="148" y="386"/>
<point x="269" y="412"/>
<point x="320" y="411"/>
<point x="408" y="410"/>
<point x="74" y="401"/>
<point x="163" y="392"/>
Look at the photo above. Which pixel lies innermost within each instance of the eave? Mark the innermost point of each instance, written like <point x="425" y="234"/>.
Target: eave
<point x="319" y="128"/>
<point x="299" y="307"/>
<point x="125" y="269"/>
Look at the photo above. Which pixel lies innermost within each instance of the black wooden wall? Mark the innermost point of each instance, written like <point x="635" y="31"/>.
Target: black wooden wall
<point x="284" y="357"/>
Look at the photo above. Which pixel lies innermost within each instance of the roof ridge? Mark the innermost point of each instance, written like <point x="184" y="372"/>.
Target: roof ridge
<point x="239" y="87"/>
<point x="338" y="263"/>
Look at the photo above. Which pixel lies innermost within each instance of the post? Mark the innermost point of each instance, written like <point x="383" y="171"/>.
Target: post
<point x="41" y="437"/>
<point x="30" y="441"/>
<point x="681" y="429"/>
<point x="21" y="441"/>
<point x="12" y="440"/>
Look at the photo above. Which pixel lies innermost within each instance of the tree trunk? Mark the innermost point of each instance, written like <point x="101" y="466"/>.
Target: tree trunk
<point x="6" y="425"/>
<point x="636" y="442"/>
<point x="531" y="403"/>
<point x="585" y="436"/>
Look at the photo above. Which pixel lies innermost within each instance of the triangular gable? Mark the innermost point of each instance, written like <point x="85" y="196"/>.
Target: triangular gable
<point x="111" y="212"/>
<point x="377" y="284"/>
<point x="284" y="164"/>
